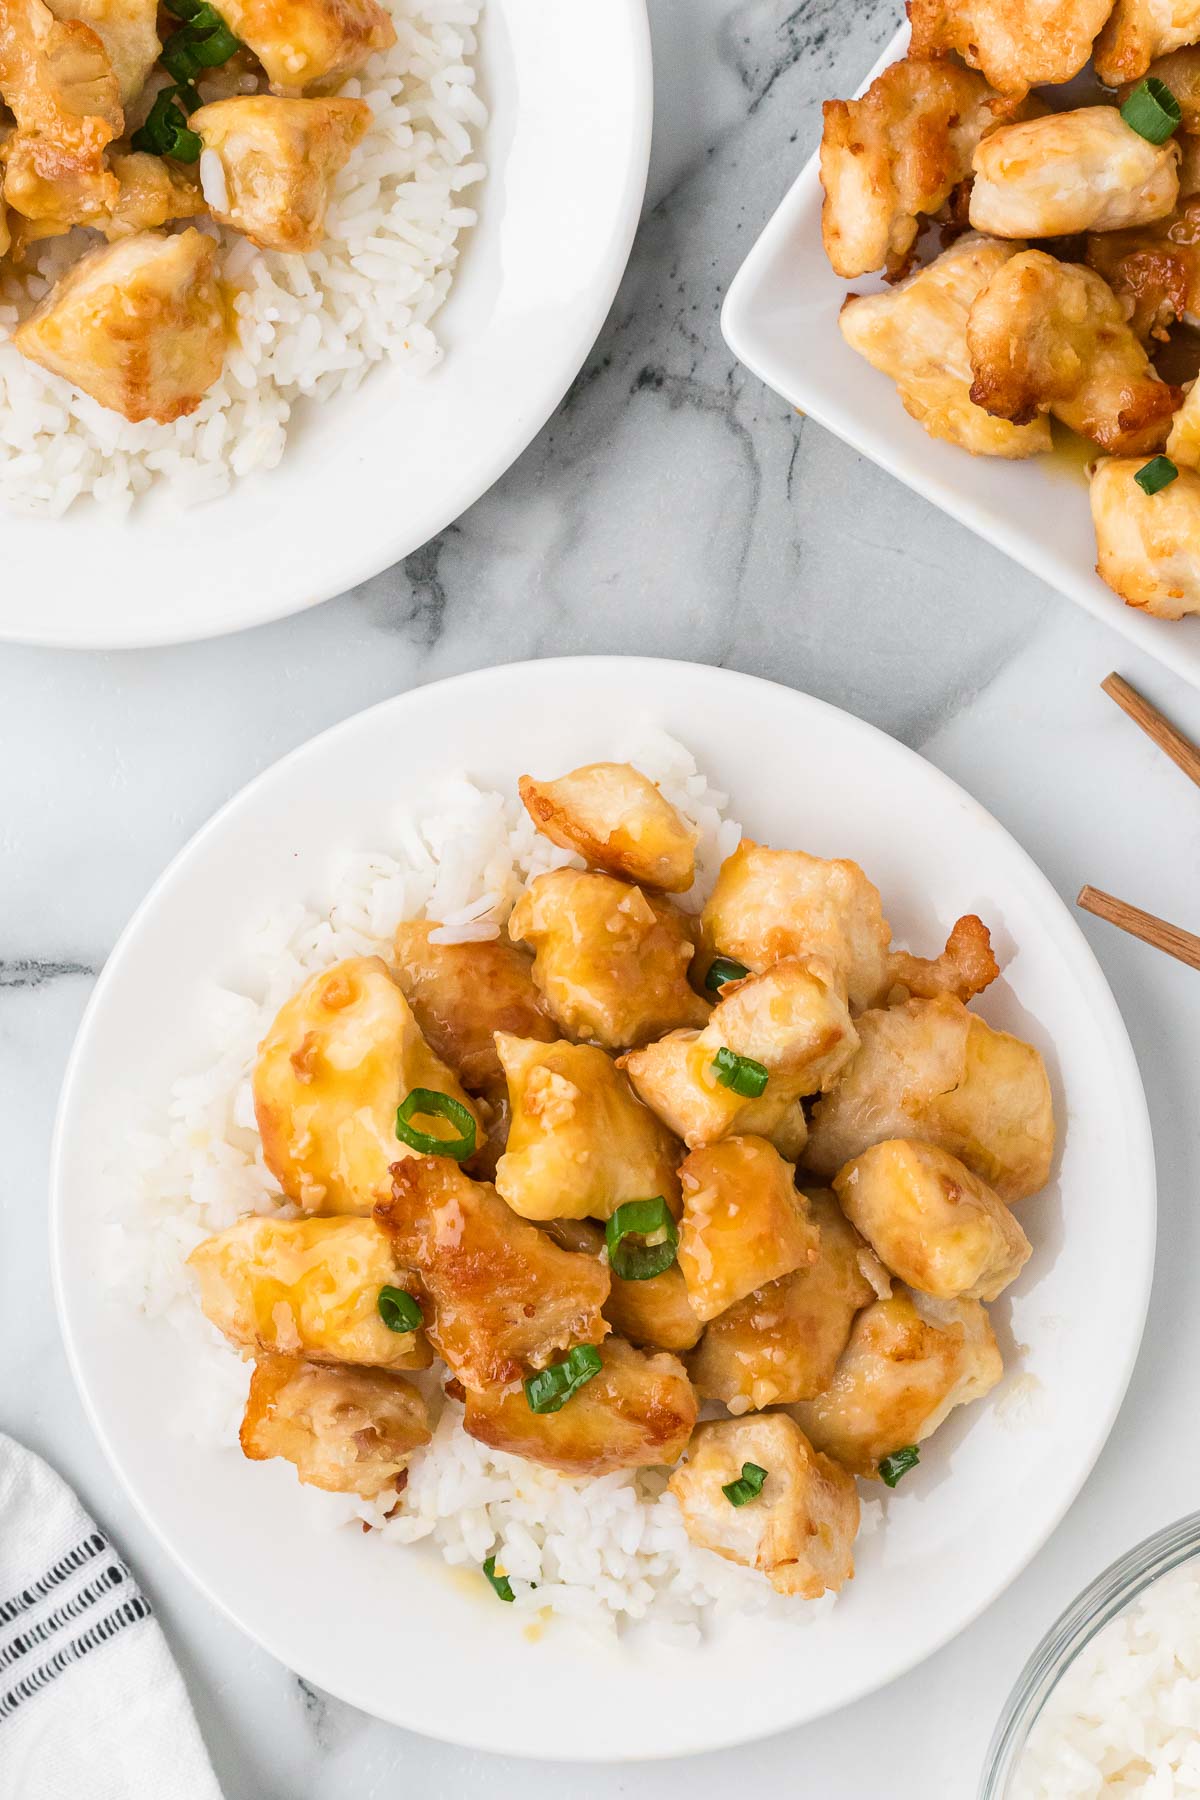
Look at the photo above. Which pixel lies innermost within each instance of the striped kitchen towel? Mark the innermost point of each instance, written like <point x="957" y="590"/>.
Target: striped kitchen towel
<point x="91" y="1703"/>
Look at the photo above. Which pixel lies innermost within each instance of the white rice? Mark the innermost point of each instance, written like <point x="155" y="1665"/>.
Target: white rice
<point x="307" y="326"/>
<point x="601" y="1551"/>
<point x="1125" y="1718"/>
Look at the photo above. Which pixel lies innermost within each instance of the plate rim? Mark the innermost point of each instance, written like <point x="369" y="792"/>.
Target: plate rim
<point x="96" y="633"/>
<point x="557" y="670"/>
<point x="1155" y="637"/>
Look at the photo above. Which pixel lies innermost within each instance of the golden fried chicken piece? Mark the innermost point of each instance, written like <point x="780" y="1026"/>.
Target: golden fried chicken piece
<point x="499" y="1296"/>
<point x="1154" y="270"/>
<point x="128" y="31"/>
<point x="1046" y="336"/>
<point x="616" y="819"/>
<point x="350" y="1431"/>
<point x="917" y="335"/>
<point x="580" y="1142"/>
<point x="306" y="1287"/>
<point x="462" y="994"/>
<point x="896" y="154"/>
<point x="931" y="1070"/>
<point x="744" y="1223"/>
<point x="638" y="1412"/>
<point x="768" y="904"/>
<point x="791" y="1020"/>
<point x="58" y="81"/>
<point x="1018" y="44"/>
<point x="5" y="233"/>
<point x="933" y="1223"/>
<point x="300" y="42"/>
<point x="1139" y="31"/>
<point x="137" y="324"/>
<point x="339" y="1058"/>
<point x="656" y="1314"/>
<point x="611" y="962"/>
<point x="965" y="968"/>
<point x="782" y="1342"/>
<point x="1148" y="545"/>
<point x="1183" y="444"/>
<point x="1072" y="171"/>
<point x="910" y="1361"/>
<point x="150" y="192"/>
<point x="278" y="161"/>
<point x="799" y="1531"/>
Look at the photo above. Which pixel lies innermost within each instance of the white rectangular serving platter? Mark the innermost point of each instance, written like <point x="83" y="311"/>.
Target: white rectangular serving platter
<point x="780" y="320"/>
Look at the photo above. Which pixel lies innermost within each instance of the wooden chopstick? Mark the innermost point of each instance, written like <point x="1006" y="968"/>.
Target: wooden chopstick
<point x="1147" y="718"/>
<point x="1183" y="945"/>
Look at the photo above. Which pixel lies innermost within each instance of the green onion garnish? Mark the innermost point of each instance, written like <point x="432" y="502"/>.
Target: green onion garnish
<point x="1152" y="110"/>
<point x="1158" y="473"/>
<point x="205" y="42"/>
<point x="749" y="1487"/>
<point x="430" y="1104"/>
<point x="721" y="970"/>
<point x="631" y="1254"/>
<point x="550" y="1389"/>
<point x="500" y="1583"/>
<point x="899" y="1463"/>
<point x="398" y="1310"/>
<point x="741" y="1073"/>
<point x="165" y="132"/>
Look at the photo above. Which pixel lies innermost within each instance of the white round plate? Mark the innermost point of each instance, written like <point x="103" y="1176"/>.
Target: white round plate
<point x="389" y="1629"/>
<point x="368" y="477"/>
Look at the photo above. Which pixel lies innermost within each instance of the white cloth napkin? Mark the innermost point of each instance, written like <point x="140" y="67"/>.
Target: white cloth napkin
<point x="91" y="1703"/>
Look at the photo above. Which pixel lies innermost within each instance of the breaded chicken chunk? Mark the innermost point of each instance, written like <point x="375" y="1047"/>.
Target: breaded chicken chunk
<point x="499" y="1297"/>
<point x="744" y="1223"/>
<point x="127" y="29"/>
<point x="1154" y="270"/>
<point x="791" y="1021"/>
<point x="1018" y="44"/>
<point x="150" y="192"/>
<point x="896" y="154"/>
<point x="138" y="325"/>
<point x="938" y="1227"/>
<point x="934" y="1071"/>
<point x="611" y="961"/>
<point x="770" y="904"/>
<point x="278" y="161"/>
<point x="917" y="335"/>
<point x="656" y="1314"/>
<point x="637" y="1412"/>
<point x="58" y="82"/>
<point x="580" y="1142"/>
<point x="1046" y="336"/>
<point x="1139" y="31"/>
<point x="1072" y="171"/>
<point x="1148" y="545"/>
<point x="910" y="1361"/>
<point x="799" y="1530"/>
<point x="350" y="1431"/>
<point x="1183" y="444"/>
<point x="616" y="819"/>
<point x="782" y="1342"/>
<point x="306" y="1287"/>
<point x="340" y="1057"/>
<point x="300" y="42"/>
<point x="965" y="967"/>
<point x="463" y="994"/>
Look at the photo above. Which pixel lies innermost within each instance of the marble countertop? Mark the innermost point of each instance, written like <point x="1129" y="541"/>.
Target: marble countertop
<point x="671" y="507"/>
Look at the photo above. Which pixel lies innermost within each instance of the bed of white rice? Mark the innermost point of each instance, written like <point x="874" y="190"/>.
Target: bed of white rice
<point x="1125" y="1718"/>
<point x="603" y="1551"/>
<point x="307" y="326"/>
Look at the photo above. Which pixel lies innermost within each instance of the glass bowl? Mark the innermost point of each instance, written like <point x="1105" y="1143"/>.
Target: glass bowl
<point x="1109" y="1594"/>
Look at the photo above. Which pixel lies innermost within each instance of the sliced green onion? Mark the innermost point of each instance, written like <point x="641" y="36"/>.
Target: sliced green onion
<point x="398" y="1310"/>
<point x="204" y="42"/>
<point x="500" y="1583"/>
<point x="1152" y="110"/>
<point x="748" y="1487"/>
<point x="650" y="1222"/>
<point x="741" y="1073"/>
<point x="428" y="1103"/>
<point x="1155" y="475"/>
<point x="899" y="1463"/>
<point x="165" y="132"/>
<point x="721" y="970"/>
<point x="550" y="1389"/>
